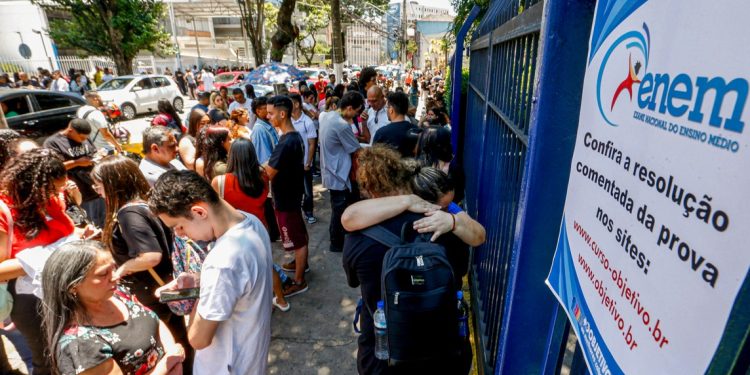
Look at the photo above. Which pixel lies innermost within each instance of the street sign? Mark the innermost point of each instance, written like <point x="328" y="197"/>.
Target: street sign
<point x="25" y="51"/>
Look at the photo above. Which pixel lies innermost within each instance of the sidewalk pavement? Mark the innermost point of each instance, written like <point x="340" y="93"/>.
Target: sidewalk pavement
<point x="316" y="337"/>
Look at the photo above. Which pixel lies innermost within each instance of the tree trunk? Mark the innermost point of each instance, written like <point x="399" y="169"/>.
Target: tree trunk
<point x="337" y="51"/>
<point x="286" y="32"/>
<point x="253" y="20"/>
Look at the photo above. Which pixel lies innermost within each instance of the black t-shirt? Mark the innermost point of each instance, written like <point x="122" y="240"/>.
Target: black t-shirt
<point x="363" y="264"/>
<point x="396" y="135"/>
<point x="288" y="184"/>
<point x="72" y="150"/>
<point x="140" y="231"/>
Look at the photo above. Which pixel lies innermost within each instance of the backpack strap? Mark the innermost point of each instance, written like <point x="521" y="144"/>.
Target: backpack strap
<point x="382" y="235"/>
<point x="357" y="312"/>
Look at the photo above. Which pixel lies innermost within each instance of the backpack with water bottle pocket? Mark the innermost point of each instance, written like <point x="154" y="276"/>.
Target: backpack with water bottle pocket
<point x="418" y="290"/>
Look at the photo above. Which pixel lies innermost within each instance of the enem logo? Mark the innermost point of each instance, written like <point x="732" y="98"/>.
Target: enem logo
<point x="679" y="95"/>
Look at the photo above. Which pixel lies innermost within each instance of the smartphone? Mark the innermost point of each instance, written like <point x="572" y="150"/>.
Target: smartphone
<point x="180" y="294"/>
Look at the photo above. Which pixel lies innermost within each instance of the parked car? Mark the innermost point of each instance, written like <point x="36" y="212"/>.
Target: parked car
<point x="37" y="114"/>
<point x="136" y="94"/>
<point x="313" y="73"/>
<point x="226" y="79"/>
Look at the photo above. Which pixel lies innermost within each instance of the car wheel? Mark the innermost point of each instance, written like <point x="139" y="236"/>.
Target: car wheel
<point x="178" y="104"/>
<point x="128" y="111"/>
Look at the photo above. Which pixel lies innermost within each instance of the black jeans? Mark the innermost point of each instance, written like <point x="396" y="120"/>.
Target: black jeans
<point x="307" y="196"/>
<point x="340" y="200"/>
<point x="26" y="315"/>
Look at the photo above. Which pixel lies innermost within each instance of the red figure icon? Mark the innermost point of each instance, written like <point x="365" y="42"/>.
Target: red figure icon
<point x="627" y="84"/>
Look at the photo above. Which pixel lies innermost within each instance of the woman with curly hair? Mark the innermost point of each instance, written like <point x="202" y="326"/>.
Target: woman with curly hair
<point x="139" y="242"/>
<point x="382" y="174"/>
<point x="187" y="146"/>
<point x="30" y="192"/>
<point x="239" y="121"/>
<point x="213" y="149"/>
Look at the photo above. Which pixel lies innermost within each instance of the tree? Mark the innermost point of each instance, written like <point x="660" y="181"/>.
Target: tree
<point x="286" y="31"/>
<point x="317" y="17"/>
<point x="253" y="20"/>
<point x="463" y="8"/>
<point x="117" y="28"/>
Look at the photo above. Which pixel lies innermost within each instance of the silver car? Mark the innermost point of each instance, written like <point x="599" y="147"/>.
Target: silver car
<point x="136" y="94"/>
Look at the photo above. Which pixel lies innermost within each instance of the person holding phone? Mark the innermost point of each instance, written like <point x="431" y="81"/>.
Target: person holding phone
<point x="93" y="326"/>
<point x="230" y="325"/>
<point x="140" y="243"/>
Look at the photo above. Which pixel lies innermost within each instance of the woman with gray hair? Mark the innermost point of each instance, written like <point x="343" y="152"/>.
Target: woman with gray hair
<point x="92" y="325"/>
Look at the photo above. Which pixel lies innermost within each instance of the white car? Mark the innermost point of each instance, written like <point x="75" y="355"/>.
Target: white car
<point x="136" y="94"/>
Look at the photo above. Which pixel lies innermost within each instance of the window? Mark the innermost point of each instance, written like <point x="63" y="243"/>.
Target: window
<point x="145" y="84"/>
<point x="161" y="82"/>
<point x="15" y="106"/>
<point x="48" y="101"/>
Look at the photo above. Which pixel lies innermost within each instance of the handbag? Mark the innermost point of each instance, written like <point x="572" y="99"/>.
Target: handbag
<point x="77" y="214"/>
<point x="186" y="257"/>
<point x="6" y="299"/>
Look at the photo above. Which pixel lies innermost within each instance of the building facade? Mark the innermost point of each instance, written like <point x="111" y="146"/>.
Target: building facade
<point x="363" y="46"/>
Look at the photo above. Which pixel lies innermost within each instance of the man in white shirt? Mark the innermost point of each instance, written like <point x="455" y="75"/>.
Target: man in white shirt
<point x="230" y="326"/>
<point x="100" y="133"/>
<point x="160" y="151"/>
<point x="306" y="128"/>
<point x="208" y="80"/>
<point x="59" y="83"/>
<point x="377" y="115"/>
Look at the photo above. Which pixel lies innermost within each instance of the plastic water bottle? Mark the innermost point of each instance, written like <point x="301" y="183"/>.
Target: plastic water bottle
<point x="381" y="335"/>
<point x="463" y="316"/>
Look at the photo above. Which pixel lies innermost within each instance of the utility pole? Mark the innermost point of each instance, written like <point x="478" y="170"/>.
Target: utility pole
<point x="197" y="47"/>
<point x="174" y="34"/>
<point x="337" y="51"/>
<point x="404" y="36"/>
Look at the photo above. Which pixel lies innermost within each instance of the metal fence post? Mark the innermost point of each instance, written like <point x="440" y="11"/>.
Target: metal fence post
<point x="457" y="78"/>
<point x="527" y="341"/>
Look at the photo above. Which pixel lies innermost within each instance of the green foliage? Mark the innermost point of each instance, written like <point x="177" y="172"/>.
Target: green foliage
<point x="117" y="28"/>
<point x="449" y="86"/>
<point x="463" y="8"/>
<point x="269" y="23"/>
<point x="316" y="17"/>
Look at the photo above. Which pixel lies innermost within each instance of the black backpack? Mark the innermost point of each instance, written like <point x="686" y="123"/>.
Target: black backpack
<point x="420" y="299"/>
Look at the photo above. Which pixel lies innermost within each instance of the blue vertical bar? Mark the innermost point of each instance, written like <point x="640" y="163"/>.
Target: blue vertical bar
<point x="527" y="337"/>
<point x="457" y="77"/>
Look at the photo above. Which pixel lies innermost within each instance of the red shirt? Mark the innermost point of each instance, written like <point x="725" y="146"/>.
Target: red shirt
<point x="320" y="86"/>
<point x="234" y="195"/>
<point x="59" y="225"/>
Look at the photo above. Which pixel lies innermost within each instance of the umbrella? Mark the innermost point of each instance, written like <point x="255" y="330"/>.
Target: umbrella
<point x="269" y="74"/>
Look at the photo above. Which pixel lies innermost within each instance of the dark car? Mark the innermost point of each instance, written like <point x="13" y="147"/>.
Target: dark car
<point x="37" y="114"/>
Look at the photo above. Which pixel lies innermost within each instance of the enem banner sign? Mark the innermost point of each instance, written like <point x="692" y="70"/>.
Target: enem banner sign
<point x="655" y="241"/>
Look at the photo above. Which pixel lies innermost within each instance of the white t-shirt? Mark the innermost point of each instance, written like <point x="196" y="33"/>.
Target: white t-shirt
<point x="208" y="81"/>
<point x="97" y="121"/>
<point x="376" y="120"/>
<point x="236" y="291"/>
<point x="306" y="128"/>
<point x="248" y="105"/>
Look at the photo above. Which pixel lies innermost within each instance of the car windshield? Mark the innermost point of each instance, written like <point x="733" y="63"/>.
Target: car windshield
<point x="114" y="84"/>
<point x="224" y="78"/>
<point x="310" y="73"/>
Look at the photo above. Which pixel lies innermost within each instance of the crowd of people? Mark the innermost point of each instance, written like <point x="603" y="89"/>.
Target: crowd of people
<point x="90" y="242"/>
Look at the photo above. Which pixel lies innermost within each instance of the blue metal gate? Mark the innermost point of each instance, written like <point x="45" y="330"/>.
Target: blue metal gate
<point x="526" y="75"/>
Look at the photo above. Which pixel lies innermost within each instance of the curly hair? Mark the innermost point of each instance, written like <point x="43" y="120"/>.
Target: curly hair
<point x="381" y="172"/>
<point x="122" y="182"/>
<point x="210" y="147"/>
<point x="177" y="191"/>
<point x="29" y="183"/>
<point x="6" y="136"/>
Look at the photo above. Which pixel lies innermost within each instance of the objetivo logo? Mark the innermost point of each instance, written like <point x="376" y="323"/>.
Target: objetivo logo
<point x="622" y="68"/>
